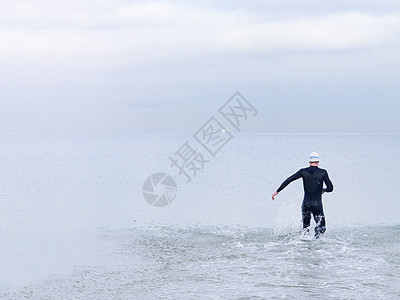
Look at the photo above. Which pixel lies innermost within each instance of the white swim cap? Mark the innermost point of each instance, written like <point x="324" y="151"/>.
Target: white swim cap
<point x="314" y="157"/>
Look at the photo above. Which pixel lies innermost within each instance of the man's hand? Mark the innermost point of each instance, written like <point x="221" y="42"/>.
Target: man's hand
<point x="323" y="191"/>
<point x="274" y="194"/>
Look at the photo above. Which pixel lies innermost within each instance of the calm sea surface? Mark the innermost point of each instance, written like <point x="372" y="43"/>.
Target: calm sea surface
<point x="74" y="223"/>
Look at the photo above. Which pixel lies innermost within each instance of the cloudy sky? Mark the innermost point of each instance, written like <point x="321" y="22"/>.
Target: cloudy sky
<point x="167" y="66"/>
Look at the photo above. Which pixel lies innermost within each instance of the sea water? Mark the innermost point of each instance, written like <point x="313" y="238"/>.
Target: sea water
<point x="74" y="223"/>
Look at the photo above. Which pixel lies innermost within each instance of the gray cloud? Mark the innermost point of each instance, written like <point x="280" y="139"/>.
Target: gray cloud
<point x="147" y="66"/>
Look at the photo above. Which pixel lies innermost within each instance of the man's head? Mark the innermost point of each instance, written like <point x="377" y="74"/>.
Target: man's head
<point x="314" y="159"/>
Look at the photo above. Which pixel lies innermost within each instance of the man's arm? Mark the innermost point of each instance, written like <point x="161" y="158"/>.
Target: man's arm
<point x="328" y="182"/>
<point x="284" y="184"/>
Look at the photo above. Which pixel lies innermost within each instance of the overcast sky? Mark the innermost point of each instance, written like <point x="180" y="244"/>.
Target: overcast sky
<point x="167" y="66"/>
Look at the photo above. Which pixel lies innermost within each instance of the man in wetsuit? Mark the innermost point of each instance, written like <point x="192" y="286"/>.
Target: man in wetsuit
<point x="313" y="179"/>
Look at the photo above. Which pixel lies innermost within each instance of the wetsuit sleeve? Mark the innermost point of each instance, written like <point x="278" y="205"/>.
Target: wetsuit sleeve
<point x="328" y="182"/>
<point x="294" y="177"/>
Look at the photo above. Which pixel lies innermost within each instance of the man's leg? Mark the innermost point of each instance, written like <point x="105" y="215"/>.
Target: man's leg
<point x="306" y="217"/>
<point x="319" y="217"/>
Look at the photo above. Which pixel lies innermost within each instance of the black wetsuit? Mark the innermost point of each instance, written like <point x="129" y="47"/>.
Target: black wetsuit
<point x="313" y="179"/>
